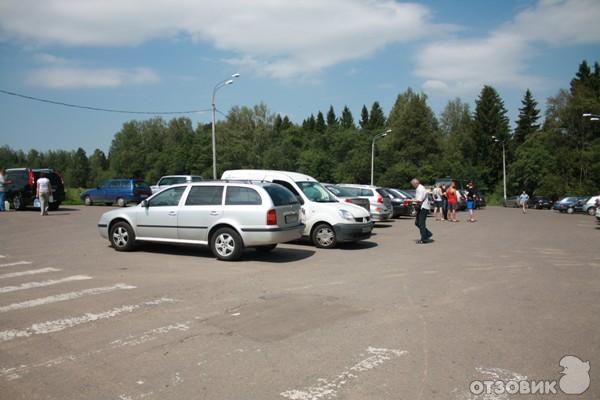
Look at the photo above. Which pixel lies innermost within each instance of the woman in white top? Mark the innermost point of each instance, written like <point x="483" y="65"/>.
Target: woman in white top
<point x="43" y="192"/>
<point x="437" y="200"/>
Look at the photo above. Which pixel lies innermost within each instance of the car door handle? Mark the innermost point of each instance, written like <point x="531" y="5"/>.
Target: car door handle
<point x="172" y="214"/>
<point x="214" y="213"/>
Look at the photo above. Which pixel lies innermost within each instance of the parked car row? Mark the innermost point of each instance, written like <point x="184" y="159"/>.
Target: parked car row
<point x="568" y="204"/>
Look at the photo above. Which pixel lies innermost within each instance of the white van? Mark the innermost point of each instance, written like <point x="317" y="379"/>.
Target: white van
<point x="328" y="221"/>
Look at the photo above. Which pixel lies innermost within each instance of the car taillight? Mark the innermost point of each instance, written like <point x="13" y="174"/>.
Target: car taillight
<point x="348" y="200"/>
<point x="380" y="199"/>
<point x="31" y="179"/>
<point x="406" y="202"/>
<point x="272" y="217"/>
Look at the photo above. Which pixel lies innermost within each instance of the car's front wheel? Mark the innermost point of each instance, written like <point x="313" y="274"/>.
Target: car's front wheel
<point x="592" y="211"/>
<point x="88" y="201"/>
<point x="122" y="237"/>
<point x="323" y="236"/>
<point x="226" y="244"/>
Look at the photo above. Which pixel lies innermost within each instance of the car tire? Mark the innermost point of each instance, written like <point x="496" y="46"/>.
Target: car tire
<point x="121" y="202"/>
<point x="591" y="211"/>
<point x="88" y="201"/>
<point x="570" y="210"/>
<point x="226" y="244"/>
<point x="266" y="249"/>
<point x="17" y="202"/>
<point x="122" y="237"/>
<point x="323" y="236"/>
<point x="54" y="206"/>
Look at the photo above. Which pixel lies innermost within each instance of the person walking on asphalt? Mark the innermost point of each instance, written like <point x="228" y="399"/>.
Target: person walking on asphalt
<point x="422" y="213"/>
<point x="523" y="200"/>
<point x="44" y="189"/>
<point x="437" y="199"/>
<point x="3" y="183"/>
<point x="471" y="197"/>
<point x="444" y="203"/>
<point x="452" y="194"/>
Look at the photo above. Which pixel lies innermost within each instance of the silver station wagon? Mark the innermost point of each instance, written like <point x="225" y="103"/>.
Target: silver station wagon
<point x="226" y="216"/>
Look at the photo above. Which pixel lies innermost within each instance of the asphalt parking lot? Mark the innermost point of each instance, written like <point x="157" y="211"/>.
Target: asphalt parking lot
<point x="502" y="299"/>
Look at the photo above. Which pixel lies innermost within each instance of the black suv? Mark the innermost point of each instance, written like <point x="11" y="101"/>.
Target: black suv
<point x="21" y="191"/>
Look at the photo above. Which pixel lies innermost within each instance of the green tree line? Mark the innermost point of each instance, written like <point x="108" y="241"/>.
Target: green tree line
<point x="559" y="155"/>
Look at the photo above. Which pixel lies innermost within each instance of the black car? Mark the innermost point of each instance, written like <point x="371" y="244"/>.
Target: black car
<point x="539" y="203"/>
<point x="22" y="189"/>
<point x="402" y="204"/>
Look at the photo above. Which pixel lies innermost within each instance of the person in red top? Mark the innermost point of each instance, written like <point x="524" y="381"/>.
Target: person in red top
<point x="452" y="202"/>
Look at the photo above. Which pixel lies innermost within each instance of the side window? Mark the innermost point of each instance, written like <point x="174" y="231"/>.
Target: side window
<point x="114" y="185"/>
<point x="366" y="192"/>
<point x="291" y="189"/>
<point x="242" y="196"/>
<point x="167" y="198"/>
<point x="105" y="184"/>
<point x="125" y="185"/>
<point x="205" y="196"/>
<point x="179" y="179"/>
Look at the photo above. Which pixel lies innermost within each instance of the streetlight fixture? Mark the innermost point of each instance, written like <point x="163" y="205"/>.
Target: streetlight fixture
<point x="381" y="135"/>
<point x="214" y="110"/>
<point x="496" y="140"/>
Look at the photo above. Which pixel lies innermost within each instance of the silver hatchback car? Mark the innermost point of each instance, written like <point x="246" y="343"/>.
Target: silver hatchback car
<point x="226" y="216"/>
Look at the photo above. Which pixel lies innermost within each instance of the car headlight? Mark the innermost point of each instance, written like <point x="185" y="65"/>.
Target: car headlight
<point x="346" y="215"/>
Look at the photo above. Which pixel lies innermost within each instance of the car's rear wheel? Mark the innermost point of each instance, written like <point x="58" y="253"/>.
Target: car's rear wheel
<point x="323" y="236"/>
<point x="122" y="237"/>
<point x="570" y="210"/>
<point x="592" y="211"/>
<point x="266" y="249"/>
<point x="88" y="201"/>
<point x="226" y="244"/>
<point x="17" y="202"/>
<point x="121" y="202"/>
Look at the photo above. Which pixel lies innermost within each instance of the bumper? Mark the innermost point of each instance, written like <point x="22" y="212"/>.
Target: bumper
<point x="103" y="230"/>
<point x="265" y="236"/>
<point x="352" y="232"/>
<point x="380" y="217"/>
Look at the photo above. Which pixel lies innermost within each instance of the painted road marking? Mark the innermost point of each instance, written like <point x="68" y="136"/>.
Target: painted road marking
<point x="1" y="256"/>
<point x="326" y="389"/>
<point x="65" y="323"/>
<point x="29" y="272"/>
<point x="64" y="297"/>
<point x="15" y="263"/>
<point x="31" y="285"/>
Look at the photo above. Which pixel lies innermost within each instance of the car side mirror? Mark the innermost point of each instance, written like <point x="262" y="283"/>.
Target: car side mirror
<point x="145" y="204"/>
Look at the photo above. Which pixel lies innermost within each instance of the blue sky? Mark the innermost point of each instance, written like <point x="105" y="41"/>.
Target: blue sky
<point x="296" y="56"/>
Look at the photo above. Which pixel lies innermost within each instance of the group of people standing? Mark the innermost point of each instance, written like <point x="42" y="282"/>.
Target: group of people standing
<point x="446" y="201"/>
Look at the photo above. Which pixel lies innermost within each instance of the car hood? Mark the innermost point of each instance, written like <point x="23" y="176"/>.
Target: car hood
<point x="355" y="210"/>
<point x="125" y="212"/>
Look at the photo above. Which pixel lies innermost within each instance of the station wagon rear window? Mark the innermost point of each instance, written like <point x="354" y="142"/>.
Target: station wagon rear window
<point x="242" y="196"/>
<point x="280" y="195"/>
<point x="205" y="196"/>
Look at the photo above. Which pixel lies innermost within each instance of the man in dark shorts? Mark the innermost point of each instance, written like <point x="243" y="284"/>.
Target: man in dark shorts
<point x="471" y="197"/>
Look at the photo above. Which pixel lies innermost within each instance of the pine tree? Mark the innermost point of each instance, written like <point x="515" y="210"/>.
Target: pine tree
<point x="376" y="119"/>
<point x="364" y="117"/>
<point x="332" y="121"/>
<point x="490" y="120"/>
<point x="277" y="123"/>
<point x="583" y="80"/>
<point x="79" y="169"/>
<point x="528" y="117"/>
<point x="309" y="124"/>
<point x="320" y="124"/>
<point x="286" y="123"/>
<point x="347" y="121"/>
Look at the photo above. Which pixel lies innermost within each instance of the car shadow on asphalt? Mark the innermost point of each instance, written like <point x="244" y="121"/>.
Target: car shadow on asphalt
<point x="363" y="244"/>
<point x="279" y="255"/>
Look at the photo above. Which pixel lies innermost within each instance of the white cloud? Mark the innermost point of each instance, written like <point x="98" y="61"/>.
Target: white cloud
<point x="71" y="77"/>
<point x="281" y="38"/>
<point x="462" y="66"/>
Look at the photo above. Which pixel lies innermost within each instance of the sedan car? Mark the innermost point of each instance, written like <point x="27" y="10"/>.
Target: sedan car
<point x="568" y="204"/>
<point x="402" y="203"/>
<point x="347" y="196"/>
<point x="227" y="217"/>
<point x="539" y="203"/>
<point x="380" y="202"/>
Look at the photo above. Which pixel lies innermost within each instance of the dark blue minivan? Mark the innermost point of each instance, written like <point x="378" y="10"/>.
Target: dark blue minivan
<point x="119" y="191"/>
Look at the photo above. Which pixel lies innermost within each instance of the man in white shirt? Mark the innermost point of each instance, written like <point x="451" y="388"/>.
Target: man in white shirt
<point x="423" y="211"/>
<point x="43" y="192"/>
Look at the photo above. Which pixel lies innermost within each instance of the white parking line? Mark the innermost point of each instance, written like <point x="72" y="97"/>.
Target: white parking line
<point x="15" y="263"/>
<point x="29" y="272"/>
<point x="31" y="285"/>
<point x="64" y="297"/>
<point x="1" y="256"/>
<point x="62" y="324"/>
<point x="328" y="389"/>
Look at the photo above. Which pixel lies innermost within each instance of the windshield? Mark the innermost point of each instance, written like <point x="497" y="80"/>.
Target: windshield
<point x="316" y="192"/>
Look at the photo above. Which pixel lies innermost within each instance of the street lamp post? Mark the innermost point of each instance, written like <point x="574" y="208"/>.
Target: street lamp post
<point x="214" y="110"/>
<point x="503" y="163"/>
<point x="381" y="135"/>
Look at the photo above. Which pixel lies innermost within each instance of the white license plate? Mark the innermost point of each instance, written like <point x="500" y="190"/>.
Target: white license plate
<point x="291" y="219"/>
